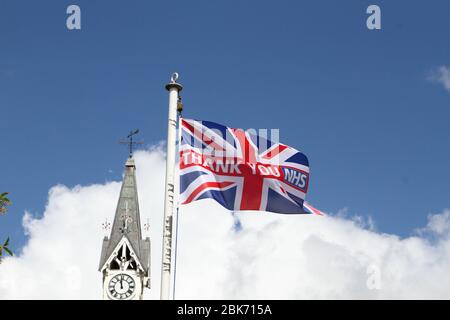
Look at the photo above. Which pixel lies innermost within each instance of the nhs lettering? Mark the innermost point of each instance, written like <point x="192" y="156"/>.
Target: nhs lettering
<point x="296" y="178"/>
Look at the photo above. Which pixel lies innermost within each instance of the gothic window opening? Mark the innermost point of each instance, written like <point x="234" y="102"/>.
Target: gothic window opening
<point x="114" y="265"/>
<point x="123" y="260"/>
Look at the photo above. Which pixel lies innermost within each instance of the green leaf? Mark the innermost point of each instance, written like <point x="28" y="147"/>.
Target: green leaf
<point x="6" y="242"/>
<point x="3" y="197"/>
<point x="9" y="251"/>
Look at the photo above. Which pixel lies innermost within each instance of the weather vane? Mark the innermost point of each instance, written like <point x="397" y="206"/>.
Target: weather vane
<point x="130" y="141"/>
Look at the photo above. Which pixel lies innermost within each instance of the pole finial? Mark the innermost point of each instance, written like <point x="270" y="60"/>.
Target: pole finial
<point x="173" y="84"/>
<point x="174" y="77"/>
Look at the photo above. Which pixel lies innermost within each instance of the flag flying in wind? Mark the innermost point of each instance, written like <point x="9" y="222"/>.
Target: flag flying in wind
<point x="241" y="170"/>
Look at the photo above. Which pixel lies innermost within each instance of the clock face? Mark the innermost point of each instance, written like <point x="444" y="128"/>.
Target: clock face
<point x="121" y="286"/>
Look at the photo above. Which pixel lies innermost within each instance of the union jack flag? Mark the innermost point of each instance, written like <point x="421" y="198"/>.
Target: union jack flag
<point x="241" y="170"/>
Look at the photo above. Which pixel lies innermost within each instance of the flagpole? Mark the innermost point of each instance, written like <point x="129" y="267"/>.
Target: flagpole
<point x="174" y="88"/>
<point x="180" y="119"/>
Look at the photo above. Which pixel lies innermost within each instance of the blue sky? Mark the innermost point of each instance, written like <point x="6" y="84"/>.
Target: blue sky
<point x="358" y="103"/>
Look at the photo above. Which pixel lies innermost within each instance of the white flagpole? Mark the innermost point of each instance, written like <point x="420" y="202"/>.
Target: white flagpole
<point x="174" y="88"/>
<point x="178" y="205"/>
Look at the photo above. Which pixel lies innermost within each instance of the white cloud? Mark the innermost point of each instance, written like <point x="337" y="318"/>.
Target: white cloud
<point x="272" y="256"/>
<point x="61" y="257"/>
<point x="441" y="75"/>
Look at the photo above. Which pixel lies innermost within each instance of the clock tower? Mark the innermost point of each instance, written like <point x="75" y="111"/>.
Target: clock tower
<point x="125" y="257"/>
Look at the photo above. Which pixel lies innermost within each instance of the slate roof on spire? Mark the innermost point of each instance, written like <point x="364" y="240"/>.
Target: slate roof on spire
<point x="128" y="205"/>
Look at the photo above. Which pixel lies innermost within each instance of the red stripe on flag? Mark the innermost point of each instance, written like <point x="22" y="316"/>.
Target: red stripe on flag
<point x="201" y="136"/>
<point x="275" y="151"/>
<point x="313" y="210"/>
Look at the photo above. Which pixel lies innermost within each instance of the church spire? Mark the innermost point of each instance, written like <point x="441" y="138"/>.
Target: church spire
<point x="125" y="250"/>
